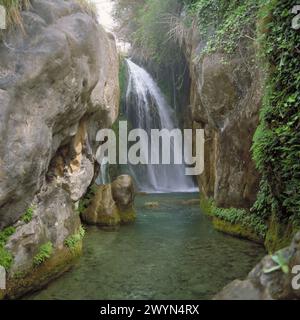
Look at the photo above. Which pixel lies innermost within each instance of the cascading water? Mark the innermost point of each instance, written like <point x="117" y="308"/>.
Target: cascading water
<point x="147" y="108"/>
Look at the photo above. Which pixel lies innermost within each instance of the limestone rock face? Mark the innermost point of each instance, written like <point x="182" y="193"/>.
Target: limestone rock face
<point x="226" y="93"/>
<point x="267" y="281"/>
<point x="58" y="87"/>
<point x="60" y="72"/>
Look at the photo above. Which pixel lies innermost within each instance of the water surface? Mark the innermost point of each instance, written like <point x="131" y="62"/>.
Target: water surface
<point x="171" y="252"/>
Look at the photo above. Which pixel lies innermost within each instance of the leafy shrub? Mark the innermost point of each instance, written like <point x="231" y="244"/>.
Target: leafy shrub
<point x="44" y="253"/>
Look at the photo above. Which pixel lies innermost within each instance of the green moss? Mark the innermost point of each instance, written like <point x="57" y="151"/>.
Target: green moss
<point x="237" y="229"/>
<point x="35" y="278"/>
<point x="109" y="220"/>
<point x="128" y="216"/>
<point x="44" y="253"/>
<point x="122" y="79"/>
<point x="279" y="235"/>
<point x="206" y="204"/>
<point x="72" y="241"/>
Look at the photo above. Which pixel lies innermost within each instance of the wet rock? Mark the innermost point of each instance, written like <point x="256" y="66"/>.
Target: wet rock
<point x="239" y="290"/>
<point x="102" y="210"/>
<point x="269" y="280"/>
<point x="123" y="193"/>
<point x="112" y="204"/>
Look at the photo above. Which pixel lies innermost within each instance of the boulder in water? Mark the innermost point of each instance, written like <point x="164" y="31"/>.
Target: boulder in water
<point x="112" y="204"/>
<point x="103" y="210"/>
<point x="123" y="193"/>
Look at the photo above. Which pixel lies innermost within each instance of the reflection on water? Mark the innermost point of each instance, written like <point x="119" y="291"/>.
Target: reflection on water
<point x="171" y="252"/>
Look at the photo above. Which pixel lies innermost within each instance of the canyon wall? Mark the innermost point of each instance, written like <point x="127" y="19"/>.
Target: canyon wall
<point x="225" y="97"/>
<point x="58" y="87"/>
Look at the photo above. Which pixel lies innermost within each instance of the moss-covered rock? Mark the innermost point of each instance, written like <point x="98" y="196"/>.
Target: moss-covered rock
<point x="111" y="204"/>
<point x="279" y="234"/>
<point x="237" y="230"/>
<point x="38" y="276"/>
<point x="128" y="216"/>
<point x="102" y="210"/>
<point x="232" y="221"/>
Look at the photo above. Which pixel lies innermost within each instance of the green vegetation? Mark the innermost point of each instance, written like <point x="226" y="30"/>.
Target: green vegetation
<point x="127" y="216"/>
<point x="282" y="263"/>
<point x="27" y="216"/>
<point x="145" y="23"/>
<point x="242" y="217"/>
<point x="85" y="201"/>
<point x="224" y="25"/>
<point x="72" y="241"/>
<point x="5" y="234"/>
<point x="122" y="78"/>
<point x="44" y="253"/>
<point x="233" y="216"/>
<point x="276" y="148"/>
<point x="6" y="258"/>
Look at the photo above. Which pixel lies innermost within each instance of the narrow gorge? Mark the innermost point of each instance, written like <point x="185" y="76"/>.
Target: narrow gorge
<point x="73" y="225"/>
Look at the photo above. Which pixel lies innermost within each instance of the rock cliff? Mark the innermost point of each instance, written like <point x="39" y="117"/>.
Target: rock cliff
<point x="226" y="92"/>
<point x="58" y="87"/>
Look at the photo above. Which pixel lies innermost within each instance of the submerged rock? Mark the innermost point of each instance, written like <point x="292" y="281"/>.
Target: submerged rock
<point x="58" y="86"/>
<point x="271" y="279"/>
<point x="151" y="205"/>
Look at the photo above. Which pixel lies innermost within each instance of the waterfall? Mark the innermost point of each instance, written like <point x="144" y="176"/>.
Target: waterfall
<point x="146" y="108"/>
<point x="103" y="176"/>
